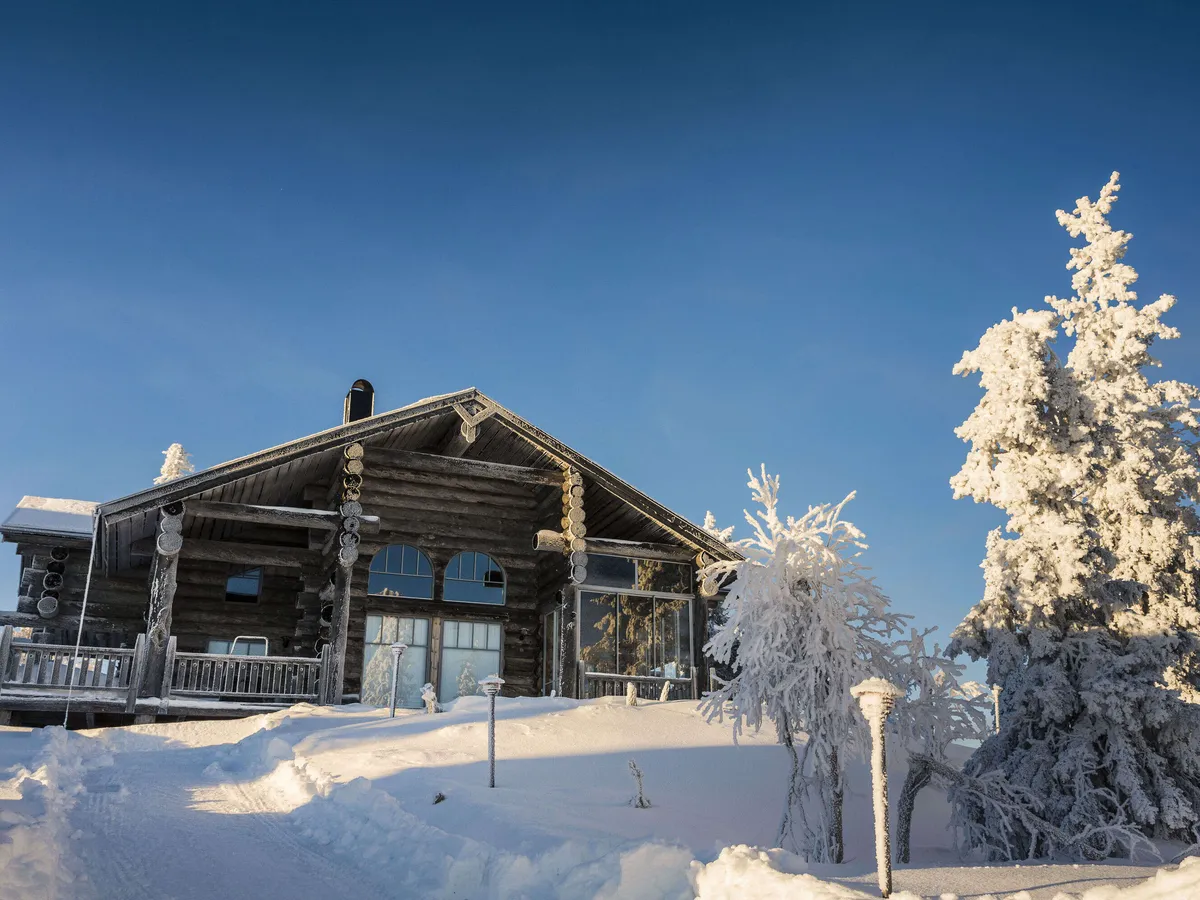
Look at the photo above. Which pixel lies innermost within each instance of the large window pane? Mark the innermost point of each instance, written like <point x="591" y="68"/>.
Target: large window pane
<point x="610" y="571"/>
<point x="673" y="638"/>
<point x="463" y="662"/>
<point x="663" y="577"/>
<point x="598" y="631"/>
<point x="381" y="633"/>
<point x="635" y="616"/>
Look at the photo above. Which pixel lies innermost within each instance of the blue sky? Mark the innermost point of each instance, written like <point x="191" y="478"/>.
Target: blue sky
<point x="683" y="238"/>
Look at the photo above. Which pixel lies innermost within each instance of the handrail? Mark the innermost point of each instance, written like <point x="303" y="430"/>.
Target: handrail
<point x="605" y="679"/>
<point x="237" y="676"/>
<point x="27" y="665"/>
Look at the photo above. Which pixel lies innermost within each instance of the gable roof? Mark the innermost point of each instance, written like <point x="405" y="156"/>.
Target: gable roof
<point x="503" y="433"/>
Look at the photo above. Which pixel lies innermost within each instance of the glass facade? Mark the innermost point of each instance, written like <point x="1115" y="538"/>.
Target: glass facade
<point x="650" y="575"/>
<point x="626" y="634"/>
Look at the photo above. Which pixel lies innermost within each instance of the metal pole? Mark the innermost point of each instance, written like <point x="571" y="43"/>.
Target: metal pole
<point x="398" y="649"/>
<point x="491" y="687"/>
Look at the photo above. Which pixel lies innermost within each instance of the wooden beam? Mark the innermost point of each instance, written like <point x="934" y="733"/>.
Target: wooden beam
<point x="242" y="554"/>
<point x="328" y="520"/>
<point x="553" y="541"/>
<point x="445" y="465"/>
<point x="91" y="623"/>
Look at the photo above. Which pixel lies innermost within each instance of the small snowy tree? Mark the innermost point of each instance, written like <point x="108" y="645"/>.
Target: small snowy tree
<point x="808" y="624"/>
<point x="178" y="463"/>
<point x="1089" y="618"/>
<point x="468" y="684"/>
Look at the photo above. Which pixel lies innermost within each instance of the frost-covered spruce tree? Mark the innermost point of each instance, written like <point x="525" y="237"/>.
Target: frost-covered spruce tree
<point x="178" y="463"/>
<point x="807" y="624"/>
<point x="1089" y="615"/>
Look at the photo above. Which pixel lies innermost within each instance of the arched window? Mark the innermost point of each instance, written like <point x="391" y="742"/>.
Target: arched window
<point x="474" y="578"/>
<point x="401" y="571"/>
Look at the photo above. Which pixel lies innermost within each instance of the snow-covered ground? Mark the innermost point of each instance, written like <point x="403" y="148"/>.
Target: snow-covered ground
<point x="339" y="803"/>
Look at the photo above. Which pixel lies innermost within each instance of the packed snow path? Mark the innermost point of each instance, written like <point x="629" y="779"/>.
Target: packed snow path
<point x="154" y="826"/>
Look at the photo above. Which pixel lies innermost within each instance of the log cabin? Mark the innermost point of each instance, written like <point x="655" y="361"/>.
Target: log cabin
<point x="451" y="526"/>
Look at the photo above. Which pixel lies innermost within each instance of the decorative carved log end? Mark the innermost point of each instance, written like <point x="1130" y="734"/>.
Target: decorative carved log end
<point x="169" y="543"/>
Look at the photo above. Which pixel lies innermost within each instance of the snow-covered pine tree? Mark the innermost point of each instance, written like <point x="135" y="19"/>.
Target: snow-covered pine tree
<point x="1089" y="615"/>
<point x="808" y="624"/>
<point x="178" y="463"/>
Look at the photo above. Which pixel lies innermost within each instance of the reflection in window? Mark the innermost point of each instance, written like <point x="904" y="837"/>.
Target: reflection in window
<point x="474" y="578"/>
<point x="244" y="587"/>
<point x="621" y="634"/>
<point x="401" y="571"/>
<point x="241" y="648"/>
<point x="652" y="575"/>
<point x="381" y="633"/>
<point x="470" y="651"/>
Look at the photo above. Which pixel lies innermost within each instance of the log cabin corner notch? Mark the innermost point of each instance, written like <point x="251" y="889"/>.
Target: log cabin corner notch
<point x="453" y="524"/>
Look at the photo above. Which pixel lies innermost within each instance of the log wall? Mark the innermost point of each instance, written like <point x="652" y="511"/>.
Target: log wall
<point x="442" y="514"/>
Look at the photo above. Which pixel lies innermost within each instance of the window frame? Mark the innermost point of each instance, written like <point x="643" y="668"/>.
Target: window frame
<point x="650" y="595"/>
<point x="243" y="597"/>
<point x="397" y="614"/>
<point x="208" y="642"/>
<point x="479" y="603"/>
<point x="474" y="620"/>
<point x="432" y="576"/>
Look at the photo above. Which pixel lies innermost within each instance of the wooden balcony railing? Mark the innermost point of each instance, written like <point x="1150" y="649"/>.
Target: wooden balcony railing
<point x="109" y="678"/>
<point x="278" y="679"/>
<point x="59" y="668"/>
<point x="648" y="687"/>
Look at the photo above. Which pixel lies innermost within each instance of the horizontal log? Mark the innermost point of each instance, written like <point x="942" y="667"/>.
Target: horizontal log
<point x="90" y="623"/>
<point x="274" y="515"/>
<point x="552" y="541"/>
<point x="380" y="503"/>
<point x="242" y="554"/>
<point x="470" y="468"/>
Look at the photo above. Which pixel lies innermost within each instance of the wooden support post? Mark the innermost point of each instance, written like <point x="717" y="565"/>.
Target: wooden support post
<point x="137" y="674"/>
<point x="6" y="639"/>
<point x="162" y="596"/>
<point x="345" y="548"/>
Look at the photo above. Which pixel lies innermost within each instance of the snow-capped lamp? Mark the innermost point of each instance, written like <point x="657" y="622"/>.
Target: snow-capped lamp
<point x="398" y="649"/>
<point x="491" y="686"/>
<point x="876" y="697"/>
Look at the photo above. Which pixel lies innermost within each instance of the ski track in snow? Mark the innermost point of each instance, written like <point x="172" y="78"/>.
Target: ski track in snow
<point x="185" y="838"/>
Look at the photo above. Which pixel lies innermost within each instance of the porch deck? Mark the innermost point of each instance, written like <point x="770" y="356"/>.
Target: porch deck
<point x="38" y="677"/>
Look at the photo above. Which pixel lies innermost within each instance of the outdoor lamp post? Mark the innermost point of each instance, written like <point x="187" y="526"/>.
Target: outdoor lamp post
<point x="996" y="689"/>
<point x="876" y="697"/>
<point x="491" y="687"/>
<point x="398" y="649"/>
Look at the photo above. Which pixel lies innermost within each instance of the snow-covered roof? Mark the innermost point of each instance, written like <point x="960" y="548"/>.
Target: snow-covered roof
<point x="51" y="515"/>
